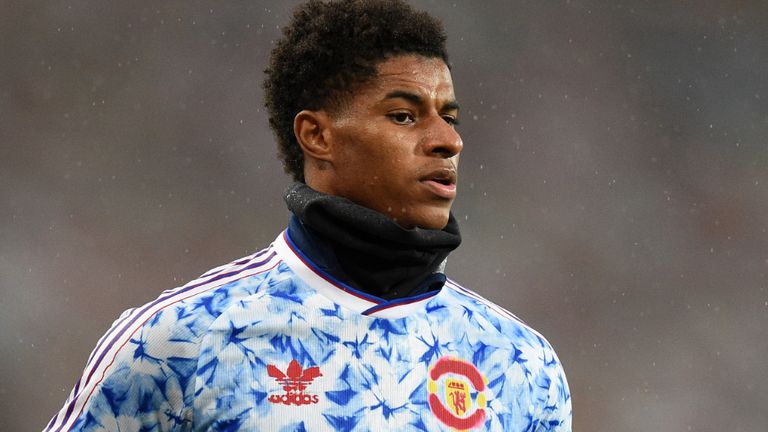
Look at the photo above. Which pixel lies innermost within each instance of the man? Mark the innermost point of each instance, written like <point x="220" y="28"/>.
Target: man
<point x="345" y="322"/>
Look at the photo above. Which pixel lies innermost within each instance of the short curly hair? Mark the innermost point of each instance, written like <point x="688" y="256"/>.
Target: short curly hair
<point x="329" y="49"/>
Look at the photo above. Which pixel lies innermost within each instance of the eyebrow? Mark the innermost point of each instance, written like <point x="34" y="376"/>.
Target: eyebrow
<point x="418" y="100"/>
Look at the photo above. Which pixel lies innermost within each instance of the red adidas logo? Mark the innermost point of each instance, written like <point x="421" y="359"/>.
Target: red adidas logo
<point x="295" y="381"/>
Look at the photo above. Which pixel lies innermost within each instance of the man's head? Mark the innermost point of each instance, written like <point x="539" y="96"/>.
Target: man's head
<point x="361" y="101"/>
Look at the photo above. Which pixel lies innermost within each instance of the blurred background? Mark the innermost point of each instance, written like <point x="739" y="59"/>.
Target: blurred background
<point x="613" y="188"/>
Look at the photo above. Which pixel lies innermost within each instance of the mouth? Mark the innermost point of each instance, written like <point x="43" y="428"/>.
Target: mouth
<point x="441" y="182"/>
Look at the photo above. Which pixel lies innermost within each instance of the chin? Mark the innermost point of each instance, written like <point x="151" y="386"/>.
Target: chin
<point x="435" y="220"/>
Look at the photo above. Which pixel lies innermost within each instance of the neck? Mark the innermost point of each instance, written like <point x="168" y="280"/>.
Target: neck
<point x="366" y="249"/>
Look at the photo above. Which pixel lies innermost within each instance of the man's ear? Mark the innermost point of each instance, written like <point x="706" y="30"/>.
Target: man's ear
<point x="310" y="128"/>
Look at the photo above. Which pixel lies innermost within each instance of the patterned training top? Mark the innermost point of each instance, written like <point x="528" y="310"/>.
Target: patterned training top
<point x="271" y="343"/>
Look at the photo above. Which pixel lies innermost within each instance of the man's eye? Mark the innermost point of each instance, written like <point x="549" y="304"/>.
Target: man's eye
<point x="402" y="118"/>
<point x="453" y="121"/>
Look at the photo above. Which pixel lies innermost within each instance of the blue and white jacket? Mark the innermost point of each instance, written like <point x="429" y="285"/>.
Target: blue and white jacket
<point x="272" y="343"/>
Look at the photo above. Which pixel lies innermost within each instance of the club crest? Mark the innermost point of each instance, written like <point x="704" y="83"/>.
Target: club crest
<point x="457" y="393"/>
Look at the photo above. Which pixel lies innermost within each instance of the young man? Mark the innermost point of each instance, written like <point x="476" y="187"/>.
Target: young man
<point x="345" y="322"/>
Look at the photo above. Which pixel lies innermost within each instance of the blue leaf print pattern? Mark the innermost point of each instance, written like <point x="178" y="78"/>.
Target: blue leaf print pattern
<point x="268" y="351"/>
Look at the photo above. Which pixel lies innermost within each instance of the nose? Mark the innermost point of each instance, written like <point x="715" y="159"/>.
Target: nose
<point x="441" y="139"/>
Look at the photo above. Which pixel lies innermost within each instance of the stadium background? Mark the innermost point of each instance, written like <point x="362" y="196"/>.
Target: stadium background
<point x="612" y="190"/>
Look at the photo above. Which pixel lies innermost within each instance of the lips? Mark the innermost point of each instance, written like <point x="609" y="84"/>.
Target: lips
<point x="442" y="182"/>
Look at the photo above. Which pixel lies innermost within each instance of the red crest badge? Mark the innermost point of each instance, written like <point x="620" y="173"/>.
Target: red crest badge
<point x="454" y="406"/>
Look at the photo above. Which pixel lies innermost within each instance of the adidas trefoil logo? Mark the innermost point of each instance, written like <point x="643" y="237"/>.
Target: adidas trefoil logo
<point x="295" y="381"/>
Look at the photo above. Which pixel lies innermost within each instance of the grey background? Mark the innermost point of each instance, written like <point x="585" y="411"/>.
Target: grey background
<point x="612" y="190"/>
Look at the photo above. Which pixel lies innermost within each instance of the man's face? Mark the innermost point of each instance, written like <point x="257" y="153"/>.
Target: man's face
<point x="395" y="146"/>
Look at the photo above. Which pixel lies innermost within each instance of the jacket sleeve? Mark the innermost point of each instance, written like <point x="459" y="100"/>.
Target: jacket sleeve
<point x="140" y="376"/>
<point x="554" y="398"/>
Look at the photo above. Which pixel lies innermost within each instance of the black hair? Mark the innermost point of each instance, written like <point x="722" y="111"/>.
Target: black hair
<point x="329" y="49"/>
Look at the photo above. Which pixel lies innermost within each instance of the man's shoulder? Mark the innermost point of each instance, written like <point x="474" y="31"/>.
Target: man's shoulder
<point x="507" y="324"/>
<point x="206" y="297"/>
<point x="182" y="315"/>
<point x="476" y="300"/>
<point x="155" y="348"/>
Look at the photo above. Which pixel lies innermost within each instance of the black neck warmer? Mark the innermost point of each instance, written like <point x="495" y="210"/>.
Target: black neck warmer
<point x="366" y="249"/>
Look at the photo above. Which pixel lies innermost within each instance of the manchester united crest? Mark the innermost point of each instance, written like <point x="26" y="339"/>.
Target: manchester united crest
<point x="457" y="393"/>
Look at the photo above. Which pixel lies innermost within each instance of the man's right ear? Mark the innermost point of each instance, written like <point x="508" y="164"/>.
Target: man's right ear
<point x="311" y="131"/>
